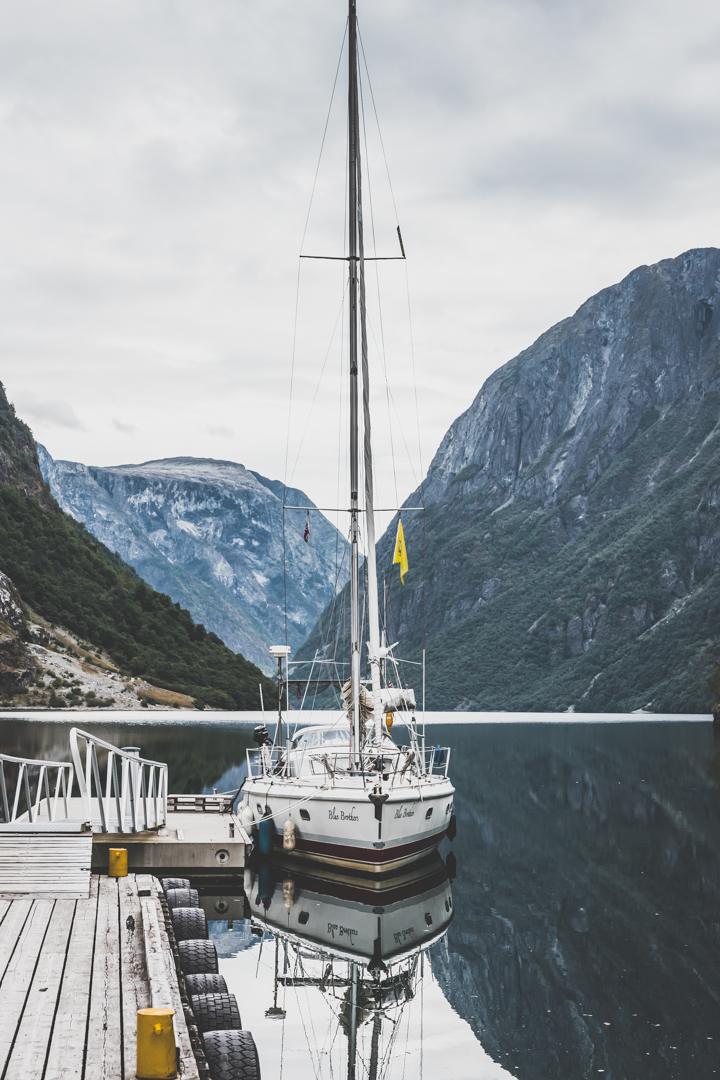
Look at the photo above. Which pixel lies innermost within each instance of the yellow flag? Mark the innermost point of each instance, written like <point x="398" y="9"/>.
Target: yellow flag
<point x="401" y="552"/>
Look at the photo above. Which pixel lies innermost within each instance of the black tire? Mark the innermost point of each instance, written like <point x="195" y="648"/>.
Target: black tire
<point x="198" y="957"/>
<point x="175" y="883"/>
<point x="205" y="984"/>
<point x="189" y="923"/>
<point x="216" y="1012"/>
<point x="231" y="1055"/>
<point x="182" y="898"/>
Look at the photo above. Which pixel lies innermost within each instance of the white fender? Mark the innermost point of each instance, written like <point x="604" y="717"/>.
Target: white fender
<point x="247" y="817"/>
<point x="289" y="835"/>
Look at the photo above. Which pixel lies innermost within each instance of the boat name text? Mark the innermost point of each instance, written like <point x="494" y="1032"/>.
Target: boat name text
<point x="342" y="931"/>
<point x="342" y="816"/>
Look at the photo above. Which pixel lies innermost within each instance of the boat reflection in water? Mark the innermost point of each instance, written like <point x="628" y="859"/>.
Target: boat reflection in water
<point x="359" y="942"/>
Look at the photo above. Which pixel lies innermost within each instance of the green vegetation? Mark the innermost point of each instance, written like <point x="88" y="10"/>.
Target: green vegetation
<point x="71" y="579"/>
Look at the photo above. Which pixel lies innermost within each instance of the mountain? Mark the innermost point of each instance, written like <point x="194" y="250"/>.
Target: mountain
<point x="52" y="565"/>
<point x="571" y="539"/>
<point x="210" y="534"/>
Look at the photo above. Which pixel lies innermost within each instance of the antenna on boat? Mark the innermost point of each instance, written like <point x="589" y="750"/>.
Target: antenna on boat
<point x="281" y="652"/>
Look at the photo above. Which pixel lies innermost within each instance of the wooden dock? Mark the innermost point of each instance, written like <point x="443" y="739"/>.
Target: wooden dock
<point x="74" y="972"/>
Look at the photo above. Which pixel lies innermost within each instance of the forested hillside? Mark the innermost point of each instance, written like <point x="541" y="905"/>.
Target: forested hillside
<point x="70" y="578"/>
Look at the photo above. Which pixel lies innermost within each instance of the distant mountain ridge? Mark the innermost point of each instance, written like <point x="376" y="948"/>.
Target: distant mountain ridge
<point x="572" y="536"/>
<point x="210" y="534"/>
<point x="53" y="568"/>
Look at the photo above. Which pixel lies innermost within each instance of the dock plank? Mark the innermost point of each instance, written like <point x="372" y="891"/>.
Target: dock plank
<point x="104" y="1044"/>
<point x="11" y="929"/>
<point x="19" y="973"/>
<point x="27" y="1060"/>
<point x="134" y="976"/>
<point x="67" y="1042"/>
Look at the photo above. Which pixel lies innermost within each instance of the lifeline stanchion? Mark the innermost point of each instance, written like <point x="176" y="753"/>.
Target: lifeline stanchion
<point x="156" y="1054"/>
<point x="117" y="862"/>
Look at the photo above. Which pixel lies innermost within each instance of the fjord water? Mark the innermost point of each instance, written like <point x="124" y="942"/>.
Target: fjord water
<point x="586" y="935"/>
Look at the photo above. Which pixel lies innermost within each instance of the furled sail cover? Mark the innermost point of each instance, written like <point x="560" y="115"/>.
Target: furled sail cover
<point x="366" y="701"/>
<point x="397" y="697"/>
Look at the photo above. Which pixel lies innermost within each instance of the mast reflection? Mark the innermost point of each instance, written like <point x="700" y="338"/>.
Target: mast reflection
<point x="360" y="943"/>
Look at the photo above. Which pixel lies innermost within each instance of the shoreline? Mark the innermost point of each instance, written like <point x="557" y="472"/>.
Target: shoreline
<point x="186" y="717"/>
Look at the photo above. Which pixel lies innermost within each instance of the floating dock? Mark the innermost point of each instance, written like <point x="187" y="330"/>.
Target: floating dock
<point x="81" y="952"/>
<point x="201" y="836"/>
<point x="73" y="974"/>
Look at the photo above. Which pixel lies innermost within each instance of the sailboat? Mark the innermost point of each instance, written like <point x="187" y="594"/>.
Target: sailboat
<point x="347" y="794"/>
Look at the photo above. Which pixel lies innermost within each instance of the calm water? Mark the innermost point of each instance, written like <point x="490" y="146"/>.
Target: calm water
<point x="586" y="933"/>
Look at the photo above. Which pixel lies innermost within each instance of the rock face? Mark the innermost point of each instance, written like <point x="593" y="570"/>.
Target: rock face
<point x="551" y="422"/>
<point x="572" y="533"/>
<point x="210" y="534"/>
<point x="17" y="663"/>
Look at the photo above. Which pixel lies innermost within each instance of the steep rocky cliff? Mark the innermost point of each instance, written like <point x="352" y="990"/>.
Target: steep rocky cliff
<point x="571" y="541"/>
<point x="210" y="534"/>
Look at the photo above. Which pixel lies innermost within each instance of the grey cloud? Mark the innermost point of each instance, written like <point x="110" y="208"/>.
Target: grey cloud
<point x="158" y="161"/>
<point x="52" y="411"/>
<point x="218" y="429"/>
<point x="126" y="429"/>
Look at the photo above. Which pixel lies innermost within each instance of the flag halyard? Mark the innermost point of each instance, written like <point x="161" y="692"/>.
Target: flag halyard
<point x="400" y="555"/>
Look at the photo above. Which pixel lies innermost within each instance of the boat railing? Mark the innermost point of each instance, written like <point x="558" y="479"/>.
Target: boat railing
<point x="315" y="762"/>
<point x="134" y="794"/>
<point x="29" y="786"/>
<point x="436" y="760"/>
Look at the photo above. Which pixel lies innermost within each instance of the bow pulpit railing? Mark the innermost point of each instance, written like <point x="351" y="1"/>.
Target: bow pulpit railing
<point x="28" y="786"/>
<point x="133" y="797"/>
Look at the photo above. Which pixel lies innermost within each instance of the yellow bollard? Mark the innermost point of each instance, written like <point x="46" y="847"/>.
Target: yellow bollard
<point x="156" y="1056"/>
<point x="117" y="862"/>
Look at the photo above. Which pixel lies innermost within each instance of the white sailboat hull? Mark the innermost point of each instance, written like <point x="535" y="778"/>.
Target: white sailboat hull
<point x="339" y="826"/>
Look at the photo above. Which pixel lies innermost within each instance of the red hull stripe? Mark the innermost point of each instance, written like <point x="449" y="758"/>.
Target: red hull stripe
<point x="364" y="854"/>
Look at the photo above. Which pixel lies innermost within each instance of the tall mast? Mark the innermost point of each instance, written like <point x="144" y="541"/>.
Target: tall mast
<point x="352" y="1022"/>
<point x="357" y="286"/>
<point x="353" y="125"/>
<point x="372" y="589"/>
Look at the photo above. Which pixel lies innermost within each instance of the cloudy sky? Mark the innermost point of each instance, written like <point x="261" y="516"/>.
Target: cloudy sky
<point x="156" y="169"/>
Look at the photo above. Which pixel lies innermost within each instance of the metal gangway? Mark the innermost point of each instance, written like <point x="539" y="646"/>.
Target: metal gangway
<point x="119" y="791"/>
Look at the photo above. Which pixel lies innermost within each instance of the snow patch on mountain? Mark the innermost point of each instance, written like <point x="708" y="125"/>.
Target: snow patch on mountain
<point x="210" y="534"/>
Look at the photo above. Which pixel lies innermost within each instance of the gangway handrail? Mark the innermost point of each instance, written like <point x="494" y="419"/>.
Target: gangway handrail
<point x="63" y="789"/>
<point x="131" y="795"/>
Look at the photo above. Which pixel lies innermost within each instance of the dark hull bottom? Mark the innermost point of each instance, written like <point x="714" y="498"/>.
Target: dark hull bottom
<point x="376" y="861"/>
<point x="415" y="878"/>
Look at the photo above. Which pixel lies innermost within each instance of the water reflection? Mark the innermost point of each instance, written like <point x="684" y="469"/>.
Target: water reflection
<point x="586" y="933"/>
<point x="358" y="943"/>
